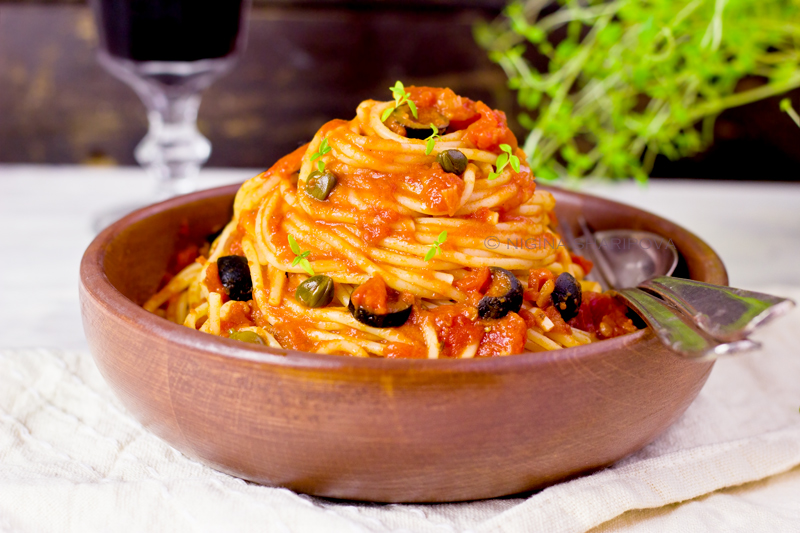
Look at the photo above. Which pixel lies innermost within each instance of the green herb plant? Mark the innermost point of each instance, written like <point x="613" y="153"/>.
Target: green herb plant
<point x="436" y="248"/>
<point x="786" y="107"/>
<point x="300" y="256"/>
<point x="622" y="81"/>
<point x="502" y="160"/>
<point x="431" y="140"/>
<point x="322" y="150"/>
<point x="400" y="97"/>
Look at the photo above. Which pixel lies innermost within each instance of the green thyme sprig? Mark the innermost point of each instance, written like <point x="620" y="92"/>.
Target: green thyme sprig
<point x="301" y="256"/>
<point x="623" y="81"/>
<point x="431" y="140"/>
<point x="322" y="150"/>
<point x="436" y="249"/>
<point x="507" y="157"/>
<point x="400" y="97"/>
<point x="786" y="107"/>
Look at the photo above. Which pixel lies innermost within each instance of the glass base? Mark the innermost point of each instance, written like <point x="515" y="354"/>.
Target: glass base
<point x="173" y="149"/>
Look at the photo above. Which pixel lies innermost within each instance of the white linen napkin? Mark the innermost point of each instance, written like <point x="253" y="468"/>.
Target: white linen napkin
<point x="73" y="459"/>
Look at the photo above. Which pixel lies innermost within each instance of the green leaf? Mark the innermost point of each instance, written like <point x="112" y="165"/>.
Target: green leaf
<point x="321" y="166"/>
<point x="492" y="176"/>
<point x="413" y="108"/>
<point x="441" y="238"/>
<point x="432" y="252"/>
<point x="294" y="246"/>
<point x="515" y="163"/>
<point x="786" y="104"/>
<point x="501" y="162"/>
<point x="324" y="148"/>
<point x="398" y="90"/>
<point x="431" y="140"/>
<point x="386" y="113"/>
<point x="305" y="265"/>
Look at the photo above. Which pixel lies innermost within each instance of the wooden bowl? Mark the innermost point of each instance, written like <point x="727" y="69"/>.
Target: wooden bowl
<point x="375" y="429"/>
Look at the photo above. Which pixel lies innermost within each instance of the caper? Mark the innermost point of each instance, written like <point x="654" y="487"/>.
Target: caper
<point x="453" y="161"/>
<point x="319" y="185"/>
<point x="316" y="291"/>
<point x="246" y="336"/>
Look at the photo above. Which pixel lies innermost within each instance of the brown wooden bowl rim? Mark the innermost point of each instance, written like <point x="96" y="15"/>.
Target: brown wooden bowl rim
<point x="94" y="280"/>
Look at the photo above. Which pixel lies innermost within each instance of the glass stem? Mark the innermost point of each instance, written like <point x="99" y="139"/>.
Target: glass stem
<point x="173" y="149"/>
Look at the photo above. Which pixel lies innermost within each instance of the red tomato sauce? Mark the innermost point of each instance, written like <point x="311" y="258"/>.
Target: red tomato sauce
<point x="212" y="281"/>
<point x="239" y="316"/>
<point x="505" y="336"/>
<point x="602" y="315"/>
<point x="490" y="130"/>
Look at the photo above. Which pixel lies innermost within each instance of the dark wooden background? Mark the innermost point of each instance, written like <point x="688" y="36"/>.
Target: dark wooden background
<point x="305" y="63"/>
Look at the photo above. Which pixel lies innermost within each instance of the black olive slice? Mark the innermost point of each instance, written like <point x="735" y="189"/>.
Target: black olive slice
<point x="235" y="277"/>
<point x="392" y="319"/>
<point x="420" y="127"/>
<point x="504" y="295"/>
<point x="567" y="295"/>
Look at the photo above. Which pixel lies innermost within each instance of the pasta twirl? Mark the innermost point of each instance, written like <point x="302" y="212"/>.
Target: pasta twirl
<point x="375" y="241"/>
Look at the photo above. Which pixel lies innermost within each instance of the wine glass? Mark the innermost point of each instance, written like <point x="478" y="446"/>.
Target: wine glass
<point x="169" y="51"/>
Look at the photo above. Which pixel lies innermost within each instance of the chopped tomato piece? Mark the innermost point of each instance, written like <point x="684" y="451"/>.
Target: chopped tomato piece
<point x="440" y="191"/>
<point x="559" y="326"/>
<point x="457" y="109"/>
<point x="457" y="328"/>
<point x="582" y="262"/>
<point x="372" y="296"/>
<point x="537" y="277"/>
<point x="476" y="281"/>
<point x="505" y="336"/>
<point x="238" y="316"/>
<point x="491" y="130"/>
<point x="602" y="315"/>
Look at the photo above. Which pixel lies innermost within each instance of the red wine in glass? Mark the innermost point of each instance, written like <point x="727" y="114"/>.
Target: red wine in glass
<point x="169" y="51"/>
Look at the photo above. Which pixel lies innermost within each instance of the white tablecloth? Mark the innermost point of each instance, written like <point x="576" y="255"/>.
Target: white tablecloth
<point x="72" y="459"/>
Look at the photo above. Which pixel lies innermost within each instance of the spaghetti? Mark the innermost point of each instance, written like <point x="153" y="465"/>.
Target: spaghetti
<point x="373" y="240"/>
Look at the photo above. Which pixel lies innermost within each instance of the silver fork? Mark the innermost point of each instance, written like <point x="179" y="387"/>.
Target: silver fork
<point x="672" y="328"/>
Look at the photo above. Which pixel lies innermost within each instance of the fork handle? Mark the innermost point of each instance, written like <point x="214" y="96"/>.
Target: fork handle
<point x="726" y="313"/>
<point x="677" y="334"/>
